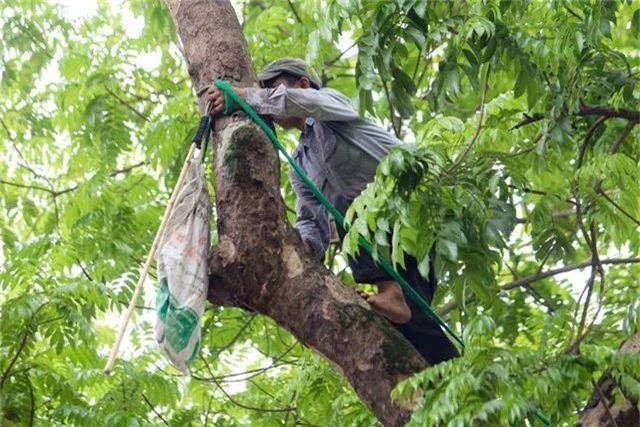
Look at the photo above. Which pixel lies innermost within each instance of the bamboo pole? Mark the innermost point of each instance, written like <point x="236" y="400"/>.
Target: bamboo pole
<point x="138" y="290"/>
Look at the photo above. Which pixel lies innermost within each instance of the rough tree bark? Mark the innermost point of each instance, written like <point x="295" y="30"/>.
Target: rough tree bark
<point x="601" y="411"/>
<point x="260" y="263"/>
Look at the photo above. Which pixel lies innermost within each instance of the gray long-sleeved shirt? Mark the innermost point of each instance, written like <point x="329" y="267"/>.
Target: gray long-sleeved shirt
<point x="338" y="150"/>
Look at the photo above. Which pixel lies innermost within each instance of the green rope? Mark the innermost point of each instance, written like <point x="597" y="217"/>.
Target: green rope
<point x="231" y="101"/>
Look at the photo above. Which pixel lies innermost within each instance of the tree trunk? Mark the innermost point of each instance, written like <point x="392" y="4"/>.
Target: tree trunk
<point x="601" y="411"/>
<point x="260" y="263"/>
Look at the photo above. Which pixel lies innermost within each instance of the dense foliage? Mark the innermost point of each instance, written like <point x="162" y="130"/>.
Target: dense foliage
<point x="523" y="167"/>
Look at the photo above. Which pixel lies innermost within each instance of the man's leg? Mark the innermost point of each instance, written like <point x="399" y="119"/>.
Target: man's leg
<point x="389" y="301"/>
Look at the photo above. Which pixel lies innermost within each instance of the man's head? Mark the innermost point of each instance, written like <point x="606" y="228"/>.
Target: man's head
<point x="293" y="73"/>
<point x="288" y="71"/>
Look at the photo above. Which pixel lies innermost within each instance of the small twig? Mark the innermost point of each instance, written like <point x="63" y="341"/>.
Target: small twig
<point x="126" y="104"/>
<point x="295" y="12"/>
<point x="476" y="134"/>
<point x="290" y="210"/>
<point x="32" y="398"/>
<point x="620" y="208"/>
<point x="21" y="347"/>
<point x="158" y="414"/>
<point x="545" y="274"/>
<point x="623" y="135"/>
<point x="415" y="70"/>
<point x="587" y="138"/>
<point x="238" y="335"/>
<point x="31" y="187"/>
<point x="56" y="193"/>
<point x="392" y="114"/>
<point x="528" y="120"/>
<point x="42" y="45"/>
<point x="251" y="408"/>
<point x="206" y="417"/>
<point x="573" y="13"/>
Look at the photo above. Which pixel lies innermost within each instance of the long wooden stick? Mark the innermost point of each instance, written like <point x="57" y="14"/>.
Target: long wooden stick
<point x="147" y="265"/>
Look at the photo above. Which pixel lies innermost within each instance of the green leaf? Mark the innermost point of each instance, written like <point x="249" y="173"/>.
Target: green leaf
<point x="635" y="23"/>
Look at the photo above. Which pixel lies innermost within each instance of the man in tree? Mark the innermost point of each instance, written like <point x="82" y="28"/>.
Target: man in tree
<point x="339" y="151"/>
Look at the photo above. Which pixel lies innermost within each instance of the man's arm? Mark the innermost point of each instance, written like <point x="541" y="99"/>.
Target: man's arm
<point x="322" y="105"/>
<point x="312" y="220"/>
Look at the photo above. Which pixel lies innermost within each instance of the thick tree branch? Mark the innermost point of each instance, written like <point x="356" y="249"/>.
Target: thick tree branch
<point x="260" y="263"/>
<point x="609" y="112"/>
<point x="589" y="110"/>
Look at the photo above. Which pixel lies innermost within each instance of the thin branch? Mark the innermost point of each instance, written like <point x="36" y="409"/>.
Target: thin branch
<point x="573" y="13"/>
<point x="127" y="169"/>
<point x="392" y="114"/>
<point x="56" y="193"/>
<point x="476" y="134"/>
<point x="251" y="408"/>
<point x="623" y="135"/>
<point x="555" y="271"/>
<point x="415" y="70"/>
<point x="528" y="120"/>
<point x="31" y="187"/>
<point x="158" y="414"/>
<point x="126" y="104"/>
<point x="238" y="334"/>
<point x="447" y="308"/>
<point x="206" y="417"/>
<point x="295" y="12"/>
<point x="32" y="398"/>
<point x="21" y="347"/>
<point x="536" y="192"/>
<point x="620" y="208"/>
<point x="614" y="148"/>
<point x="25" y="163"/>
<point x="337" y="58"/>
<point x="587" y="138"/>
<point x="42" y="45"/>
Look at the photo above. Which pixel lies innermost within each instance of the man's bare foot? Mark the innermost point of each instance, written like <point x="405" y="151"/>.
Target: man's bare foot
<point x="389" y="302"/>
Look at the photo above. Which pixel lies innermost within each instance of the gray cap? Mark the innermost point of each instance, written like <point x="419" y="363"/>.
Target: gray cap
<point x="294" y="66"/>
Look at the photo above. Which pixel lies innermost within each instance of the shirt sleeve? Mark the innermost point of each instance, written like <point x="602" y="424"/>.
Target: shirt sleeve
<point x="323" y="105"/>
<point x="312" y="219"/>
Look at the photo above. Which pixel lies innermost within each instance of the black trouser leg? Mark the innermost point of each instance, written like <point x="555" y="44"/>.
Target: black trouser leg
<point x="421" y="331"/>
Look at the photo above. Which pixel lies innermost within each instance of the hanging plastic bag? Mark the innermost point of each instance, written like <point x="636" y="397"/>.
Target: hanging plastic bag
<point x="183" y="255"/>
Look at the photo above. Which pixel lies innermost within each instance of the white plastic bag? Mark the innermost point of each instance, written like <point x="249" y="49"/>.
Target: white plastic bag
<point x="183" y="255"/>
